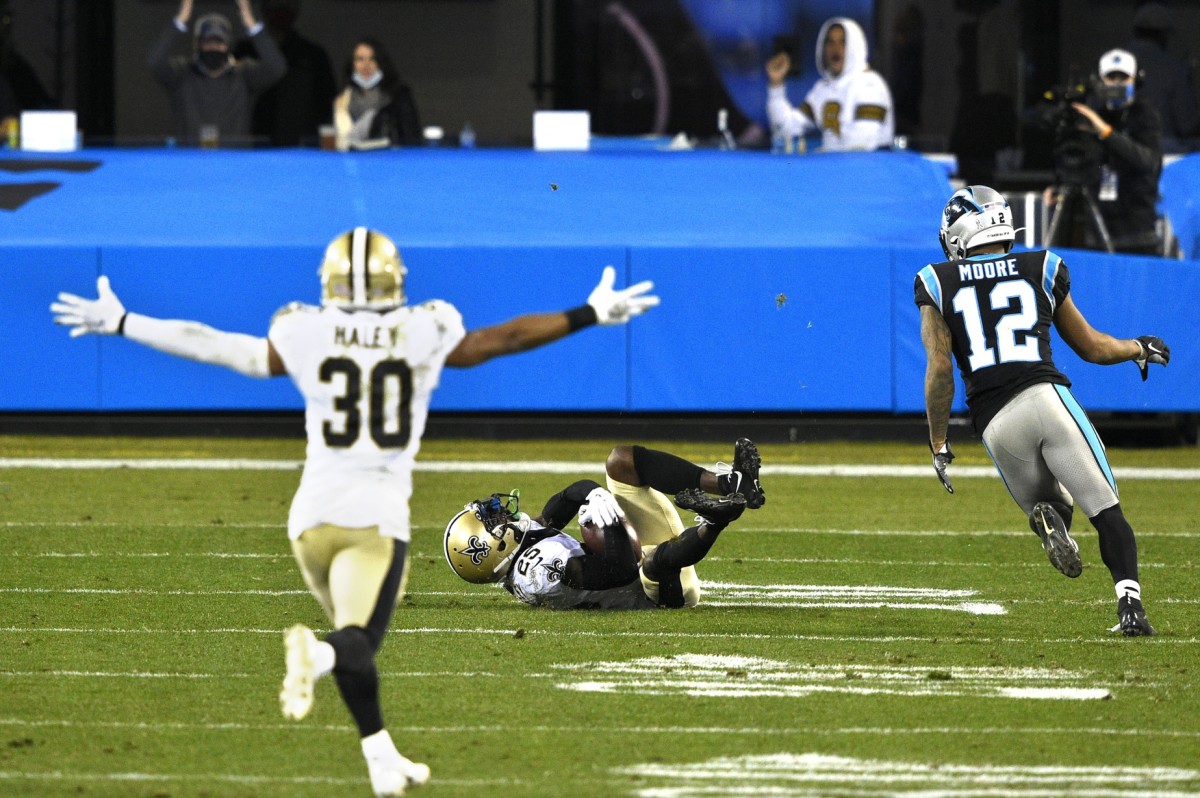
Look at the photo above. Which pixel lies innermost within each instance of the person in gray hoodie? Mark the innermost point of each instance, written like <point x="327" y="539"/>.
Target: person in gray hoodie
<point x="210" y="88"/>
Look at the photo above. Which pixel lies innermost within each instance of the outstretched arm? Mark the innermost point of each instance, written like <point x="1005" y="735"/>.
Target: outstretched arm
<point x="604" y="306"/>
<point x="1088" y="342"/>
<point x="1097" y="347"/>
<point x="105" y="315"/>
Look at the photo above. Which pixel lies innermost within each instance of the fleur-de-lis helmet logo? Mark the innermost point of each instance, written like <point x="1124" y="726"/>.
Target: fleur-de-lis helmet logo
<point x="476" y="549"/>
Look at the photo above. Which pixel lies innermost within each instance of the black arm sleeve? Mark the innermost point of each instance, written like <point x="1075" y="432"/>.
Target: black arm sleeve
<point x="1138" y="147"/>
<point x="562" y="506"/>
<point x="617" y="566"/>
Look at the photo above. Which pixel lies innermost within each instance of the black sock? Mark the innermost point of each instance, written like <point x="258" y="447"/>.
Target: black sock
<point x="665" y="472"/>
<point x="357" y="677"/>
<point x="678" y="553"/>
<point x="1118" y="547"/>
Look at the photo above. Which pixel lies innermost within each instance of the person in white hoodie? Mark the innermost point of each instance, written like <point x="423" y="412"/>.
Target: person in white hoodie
<point x="850" y="104"/>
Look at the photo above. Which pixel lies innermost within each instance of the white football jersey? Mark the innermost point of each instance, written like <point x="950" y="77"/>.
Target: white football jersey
<point x="852" y="110"/>
<point x="366" y="378"/>
<point x="536" y="578"/>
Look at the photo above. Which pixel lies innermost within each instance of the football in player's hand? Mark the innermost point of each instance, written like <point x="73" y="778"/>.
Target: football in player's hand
<point x="593" y="539"/>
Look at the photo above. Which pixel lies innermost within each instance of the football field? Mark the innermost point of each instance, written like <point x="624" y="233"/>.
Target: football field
<point x="864" y="633"/>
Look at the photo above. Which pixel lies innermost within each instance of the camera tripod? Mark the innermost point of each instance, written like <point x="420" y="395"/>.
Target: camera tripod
<point x="1069" y="197"/>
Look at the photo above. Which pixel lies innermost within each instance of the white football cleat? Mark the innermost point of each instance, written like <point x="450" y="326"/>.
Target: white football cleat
<point x="296" y="695"/>
<point x="391" y="777"/>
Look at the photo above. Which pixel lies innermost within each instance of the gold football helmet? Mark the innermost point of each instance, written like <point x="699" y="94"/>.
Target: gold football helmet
<point x="362" y="269"/>
<point x="481" y="541"/>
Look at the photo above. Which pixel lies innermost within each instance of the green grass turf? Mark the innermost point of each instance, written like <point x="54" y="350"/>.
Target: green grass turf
<point x="140" y="645"/>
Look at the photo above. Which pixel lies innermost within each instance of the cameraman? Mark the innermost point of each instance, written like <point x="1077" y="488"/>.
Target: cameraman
<point x="1130" y="135"/>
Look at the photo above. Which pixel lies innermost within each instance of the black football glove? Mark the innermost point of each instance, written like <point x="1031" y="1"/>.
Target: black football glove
<point x="941" y="459"/>
<point x="1154" y="350"/>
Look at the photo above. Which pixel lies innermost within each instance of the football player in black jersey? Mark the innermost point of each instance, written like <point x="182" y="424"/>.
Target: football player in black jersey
<point x="993" y="309"/>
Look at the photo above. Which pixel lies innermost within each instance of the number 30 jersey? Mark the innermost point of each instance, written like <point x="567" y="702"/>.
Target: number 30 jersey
<point x="1000" y="309"/>
<point x="367" y="378"/>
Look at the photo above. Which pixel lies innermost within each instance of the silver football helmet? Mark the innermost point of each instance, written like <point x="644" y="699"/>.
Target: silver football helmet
<point x="362" y="270"/>
<point x="481" y="541"/>
<point x="974" y="216"/>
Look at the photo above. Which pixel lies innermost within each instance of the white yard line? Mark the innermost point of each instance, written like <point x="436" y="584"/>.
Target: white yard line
<point x="541" y="467"/>
<point x="749" y="731"/>
<point x="1102" y="638"/>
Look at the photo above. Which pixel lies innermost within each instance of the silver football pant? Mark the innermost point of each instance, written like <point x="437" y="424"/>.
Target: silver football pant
<point x="1046" y="449"/>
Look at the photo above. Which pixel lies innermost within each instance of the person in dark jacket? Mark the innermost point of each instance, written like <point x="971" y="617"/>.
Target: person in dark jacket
<point x="291" y="112"/>
<point x="376" y="108"/>
<point x="211" y="89"/>
<point x="1130" y="135"/>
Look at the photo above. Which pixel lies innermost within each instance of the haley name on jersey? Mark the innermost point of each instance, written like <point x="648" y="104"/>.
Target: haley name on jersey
<point x="366" y="377"/>
<point x="1000" y="309"/>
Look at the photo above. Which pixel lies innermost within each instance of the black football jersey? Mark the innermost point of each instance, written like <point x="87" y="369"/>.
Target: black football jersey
<point x="1000" y="309"/>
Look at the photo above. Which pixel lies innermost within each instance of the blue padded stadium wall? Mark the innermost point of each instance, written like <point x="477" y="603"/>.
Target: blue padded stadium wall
<point x="786" y="283"/>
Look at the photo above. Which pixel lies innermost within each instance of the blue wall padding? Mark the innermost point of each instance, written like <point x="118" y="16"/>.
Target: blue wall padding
<point x="786" y="282"/>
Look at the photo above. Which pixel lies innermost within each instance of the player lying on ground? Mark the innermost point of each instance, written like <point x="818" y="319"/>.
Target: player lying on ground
<point x="635" y="552"/>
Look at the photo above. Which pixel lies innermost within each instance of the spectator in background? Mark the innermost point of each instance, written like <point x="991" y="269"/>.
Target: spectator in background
<point x="1130" y="157"/>
<point x="376" y="105"/>
<point x="290" y="112"/>
<point x="211" y="88"/>
<point x="850" y="104"/>
<point x="1166" y="81"/>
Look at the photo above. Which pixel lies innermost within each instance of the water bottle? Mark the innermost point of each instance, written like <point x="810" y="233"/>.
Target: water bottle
<point x="727" y="142"/>
<point x="779" y="140"/>
<point x="466" y="136"/>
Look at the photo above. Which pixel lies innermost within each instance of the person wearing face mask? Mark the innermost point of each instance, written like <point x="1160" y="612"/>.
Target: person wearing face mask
<point x="210" y="88"/>
<point x="850" y="104"/>
<point x="1130" y="135"/>
<point x="376" y="108"/>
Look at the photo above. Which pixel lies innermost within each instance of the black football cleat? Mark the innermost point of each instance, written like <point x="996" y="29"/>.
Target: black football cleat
<point x="742" y="476"/>
<point x="713" y="510"/>
<point x="1058" y="543"/>
<point x="1132" y="618"/>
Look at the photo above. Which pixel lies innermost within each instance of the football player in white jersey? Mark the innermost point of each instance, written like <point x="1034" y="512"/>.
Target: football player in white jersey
<point x="366" y="363"/>
<point x="636" y="553"/>
<point x="850" y="104"/>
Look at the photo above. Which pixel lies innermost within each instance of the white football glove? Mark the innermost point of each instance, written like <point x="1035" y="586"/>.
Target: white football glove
<point x="601" y="509"/>
<point x="618" y="307"/>
<point x="101" y="315"/>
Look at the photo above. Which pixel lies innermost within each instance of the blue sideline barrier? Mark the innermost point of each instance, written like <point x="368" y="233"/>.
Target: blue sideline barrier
<point x="785" y="287"/>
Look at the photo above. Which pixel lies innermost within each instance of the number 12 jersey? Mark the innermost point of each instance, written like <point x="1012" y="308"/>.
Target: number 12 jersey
<point x="1000" y="309"/>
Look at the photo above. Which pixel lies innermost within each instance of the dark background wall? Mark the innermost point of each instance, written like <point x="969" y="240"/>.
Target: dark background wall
<point x="493" y="62"/>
